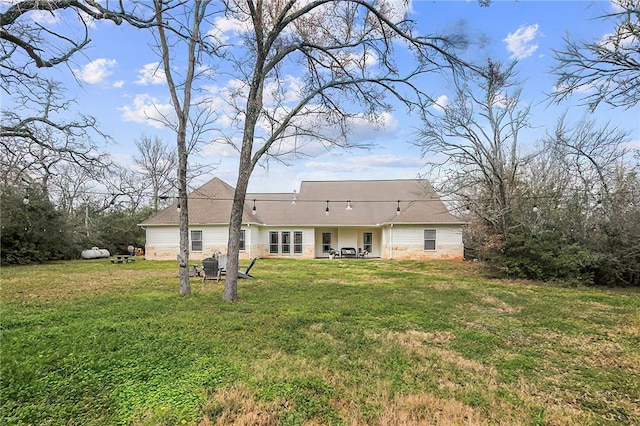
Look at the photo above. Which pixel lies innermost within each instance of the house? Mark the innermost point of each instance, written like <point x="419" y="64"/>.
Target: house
<point x="390" y="219"/>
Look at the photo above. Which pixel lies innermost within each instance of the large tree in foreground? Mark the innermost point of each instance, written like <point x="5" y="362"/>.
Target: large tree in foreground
<point x="344" y="52"/>
<point x="606" y="70"/>
<point x="183" y="45"/>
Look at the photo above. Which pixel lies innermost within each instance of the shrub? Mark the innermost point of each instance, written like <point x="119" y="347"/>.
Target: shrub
<point x="545" y="257"/>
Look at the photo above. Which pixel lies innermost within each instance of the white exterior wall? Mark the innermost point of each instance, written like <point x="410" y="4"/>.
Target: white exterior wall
<point x="163" y="242"/>
<point x="390" y="242"/>
<point x="407" y="242"/>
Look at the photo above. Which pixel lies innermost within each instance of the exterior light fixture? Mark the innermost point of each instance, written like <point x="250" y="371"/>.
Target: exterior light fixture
<point x="598" y="204"/>
<point x="535" y="208"/>
<point x="253" y="210"/>
<point x="293" y="197"/>
<point x="326" y="211"/>
<point x="468" y="209"/>
<point x="25" y="200"/>
<point x="349" y="205"/>
<point x="398" y="209"/>
<point x="178" y="207"/>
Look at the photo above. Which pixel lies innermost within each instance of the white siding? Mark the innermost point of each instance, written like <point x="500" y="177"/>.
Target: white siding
<point x="390" y="242"/>
<point x="347" y="237"/>
<point x="407" y="242"/>
<point x="163" y="243"/>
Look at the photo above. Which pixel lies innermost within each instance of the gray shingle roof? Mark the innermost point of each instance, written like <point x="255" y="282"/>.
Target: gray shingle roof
<point x="373" y="202"/>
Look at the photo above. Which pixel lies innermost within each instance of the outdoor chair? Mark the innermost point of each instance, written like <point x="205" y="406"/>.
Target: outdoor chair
<point x="222" y="265"/>
<point x="209" y="269"/>
<point x="245" y="273"/>
<point x="362" y="254"/>
<point x="243" y="270"/>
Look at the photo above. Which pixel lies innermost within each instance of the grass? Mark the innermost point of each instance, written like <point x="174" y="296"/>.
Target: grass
<point x="342" y="342"/>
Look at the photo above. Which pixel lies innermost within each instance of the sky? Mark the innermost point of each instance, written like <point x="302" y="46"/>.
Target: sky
<point x="119" y="86"/>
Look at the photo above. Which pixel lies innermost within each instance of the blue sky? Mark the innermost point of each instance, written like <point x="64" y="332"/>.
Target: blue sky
<point x="118" y="84"/>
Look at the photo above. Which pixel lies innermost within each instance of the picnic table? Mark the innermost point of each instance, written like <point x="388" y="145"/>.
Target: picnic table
<point x="122" y="258"/>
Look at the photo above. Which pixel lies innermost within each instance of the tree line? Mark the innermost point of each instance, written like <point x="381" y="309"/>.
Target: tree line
<point x="53" y="207"/>
<point x="567" y="210"/>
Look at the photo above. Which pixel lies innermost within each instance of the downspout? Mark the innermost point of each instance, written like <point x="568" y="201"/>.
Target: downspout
<point x="391" y="237"/>
<point x="249" y="244"/>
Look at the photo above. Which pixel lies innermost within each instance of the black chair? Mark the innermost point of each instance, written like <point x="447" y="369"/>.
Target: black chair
<point x="209" y="269"/>
<point x="245" y="273"/>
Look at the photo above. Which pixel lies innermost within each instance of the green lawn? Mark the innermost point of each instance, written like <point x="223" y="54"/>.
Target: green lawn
<point x="342" y="342"/>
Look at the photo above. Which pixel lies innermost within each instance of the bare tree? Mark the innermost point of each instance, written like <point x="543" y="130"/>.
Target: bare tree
<point x="345" y="53"/>
<point x="71" y="185"/>
<point x="180" y="24"/>
<point x="26" y="43"/>
<point x="607" y="70"/>
<point x="590" y="152"/>
<point x="37" y="125"/>
<point x="477" y="136"/>
<point x="596" y="202"/>
<point x="48" y="134"/>
<point x="158" y="165"/>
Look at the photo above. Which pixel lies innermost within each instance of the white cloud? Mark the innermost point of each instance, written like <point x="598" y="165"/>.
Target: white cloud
<point x="88" y="20"/>
<point x="148" y="110"/>
<point x="96" y="71"/>
<point x="287" y="89"/>
<point x="616" y="5"/>
<point x="44" y="17"/>
<point x="362" y="129"/>
<point x="585" y="88"/>
<point x="224" y="27"/>
<point x="367" y="163"/>
<point x="151" y="74"/>
<point x="355" y="61"/>
<point x="634" y="144"/>
<point x="440" y="102"/>
<point x="398" y="9"/>
<point x="622" y="39"/>
<point x="521" y="42"/>
<point x="118" y="84"/>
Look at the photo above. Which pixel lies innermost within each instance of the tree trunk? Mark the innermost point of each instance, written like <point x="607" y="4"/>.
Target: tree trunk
<point x="245" y="168"/>
<point x="183" y="256"/>
<point x="235" y="223"/>
<point x="233" y="249"/>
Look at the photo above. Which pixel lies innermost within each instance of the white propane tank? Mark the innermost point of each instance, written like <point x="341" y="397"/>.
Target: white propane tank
<point x="95" y="253"/>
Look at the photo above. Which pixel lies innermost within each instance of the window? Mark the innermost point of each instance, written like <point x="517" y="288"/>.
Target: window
<point x="326" y="242"/>
<point x="196" y="240"/>
<point x="242" y="240"/>
<point x="297" y="242"/>
<point x="429" y="239"/>
<point x="273" y="242"/>
<point x="286" y="241"/>
<point x="367" y="241"/>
